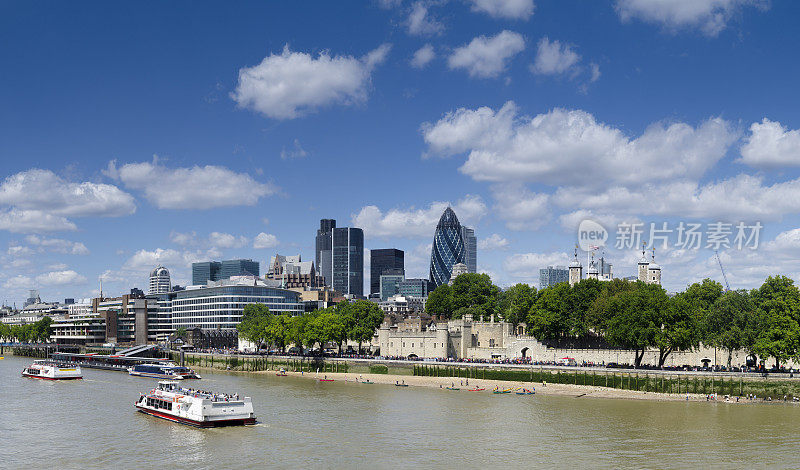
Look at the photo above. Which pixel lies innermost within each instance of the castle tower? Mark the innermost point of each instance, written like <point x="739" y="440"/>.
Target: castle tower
<point x="575" y="270"/>
<point x="643" y="263"/>
<point x="654" y="271"/>
<point x="592" y="272"/>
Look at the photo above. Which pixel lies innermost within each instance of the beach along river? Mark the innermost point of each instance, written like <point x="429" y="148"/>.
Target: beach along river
<point x="91" y="424"/>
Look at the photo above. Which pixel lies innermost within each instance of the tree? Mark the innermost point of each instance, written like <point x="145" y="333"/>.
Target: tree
<point x="680" y="326"/>
<point x="727" y="325"/>
<point x="778" y="310"/>
<point x="549" y="317"/>
<point x="635" y="318"/>
<point x="364" y="318"/>
<point x="580" y="299"/>
<point x="41" y="330"/>
<point x="440" y="302"/>
<point x="475" y="290"/>
<point x="253" y="327"/>
<point x="515" y="303"/>
<point x="278" y="331"/>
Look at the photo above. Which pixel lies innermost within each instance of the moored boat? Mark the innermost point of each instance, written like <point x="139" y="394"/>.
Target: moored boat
<point x="168" y="371"/>
<point x="193" y="407"/>
<point x="51" y="370"/>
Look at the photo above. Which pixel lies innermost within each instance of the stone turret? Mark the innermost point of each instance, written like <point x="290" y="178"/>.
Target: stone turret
<point x="592" y="272"/>
<point x="575" y="270"/>
<point x="654" y="271"/>
<point x="642" y="265"/>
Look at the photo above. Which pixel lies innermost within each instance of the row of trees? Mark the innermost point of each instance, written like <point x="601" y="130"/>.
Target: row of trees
<point x="354" y="321"/>
<point x="37" y="332"/>
<point x="638" y="316"/>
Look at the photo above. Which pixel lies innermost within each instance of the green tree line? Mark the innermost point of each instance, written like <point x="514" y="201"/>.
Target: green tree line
<point x="37" y="332"/>
<point x="638" y="316"/>
<point x="354" y="321"/>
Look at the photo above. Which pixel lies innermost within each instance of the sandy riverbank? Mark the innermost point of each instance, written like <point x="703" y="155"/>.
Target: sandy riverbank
<point x="566" y="390"/>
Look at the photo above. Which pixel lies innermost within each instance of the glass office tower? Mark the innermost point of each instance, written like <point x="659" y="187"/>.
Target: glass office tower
<point x="448" y="248"/>
<point x="384" y="261"/>
<point x="340" y="254"/>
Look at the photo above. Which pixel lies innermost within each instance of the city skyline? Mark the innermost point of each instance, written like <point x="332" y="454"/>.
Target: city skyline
<point x="162" y="146"/>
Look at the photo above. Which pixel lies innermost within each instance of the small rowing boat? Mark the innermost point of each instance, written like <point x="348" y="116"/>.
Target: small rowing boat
<point x="476" y="389"/>
<point x="326" y="380"/>
<point x="525" y="391"/>
<point x="369" y="382"/>
<point x="498" y="391"/>
<point x="400" y="385"/>
<point x="453" y="388"/>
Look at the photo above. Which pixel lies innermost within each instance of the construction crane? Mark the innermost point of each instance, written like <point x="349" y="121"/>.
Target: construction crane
<point x="724" y="277"/>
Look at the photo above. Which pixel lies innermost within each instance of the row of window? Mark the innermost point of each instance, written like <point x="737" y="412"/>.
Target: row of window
<point x="159" y="403"/>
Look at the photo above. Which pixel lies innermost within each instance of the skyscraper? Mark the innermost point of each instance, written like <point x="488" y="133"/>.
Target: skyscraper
<point x="340" y="255"/>
<point x="552" y="275"/>
<point x="470" y="249"/>
<point x="389" y="261"/>
<point x="159" y="281"/>
<point x="447" y="249"/>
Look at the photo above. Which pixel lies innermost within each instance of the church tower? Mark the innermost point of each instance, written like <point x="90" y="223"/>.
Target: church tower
<point x="643" y="263"/>
<point x="592" y="272"/>
<point x="575" y="270"/>
<point x="654" y="271"/>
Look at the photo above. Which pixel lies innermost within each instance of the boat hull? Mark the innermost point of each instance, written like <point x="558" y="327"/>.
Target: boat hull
<point x="197" y="424"/>
<point x="31" y="376"/>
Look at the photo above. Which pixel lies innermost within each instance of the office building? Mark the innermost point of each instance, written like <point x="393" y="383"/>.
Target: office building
<point x="390" y="285"/>
<point x="552" y="275"/>
<point x="340" y="257"/>
<point x="206" y="271"/>
<point x="159" y="281"/>
<point x="389" y="261"/>
<point x="292" y="272"/>
<point x="470" y="249"/>
<point x="447" y="249"/>
<point x="415" y="287"/>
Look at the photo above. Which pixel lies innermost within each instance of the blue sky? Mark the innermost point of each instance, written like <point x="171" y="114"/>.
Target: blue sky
<point x="164" y="133"/>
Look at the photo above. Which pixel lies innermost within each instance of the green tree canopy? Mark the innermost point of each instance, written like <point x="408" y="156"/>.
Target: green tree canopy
<point x="778" y="311"/>
<point x="549" y="317"/>
<point x="728" y="324"/>
<point x="515" y="303"/>
<point x="253" y="327"/>
<point x="475" y="290"/>
<point x="440" y="302"/>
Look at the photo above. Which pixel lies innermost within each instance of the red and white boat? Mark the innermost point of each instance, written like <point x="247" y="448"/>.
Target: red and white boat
<point x="51" y="370"/>
<point x="193" y="407"/>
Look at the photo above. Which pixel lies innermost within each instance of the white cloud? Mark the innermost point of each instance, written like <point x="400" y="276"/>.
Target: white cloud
<point x="226" y="240"/>
<point x="18" y="282"/>
<point x="555" y="58"/>
<point x="520" y="208"/>
<point x="487" y="57"/>
<point x="527" y="265"/>
<point x="595" y="72"/>
<point x="198" y="187"/>
<point x="421" y="22"/>
<point x="44" y="191"/>
<point x="183" y="238"/>
<point x="493" y="242"/>
<point x="710" y="16"/>
<point x="566" y="146"/>
<point x="423" y="56"/>
<point x="771" y="145"/>
<point x="33" y="221"/>
<point x="264" y="241"/>
<point x="296" y="152"/>
<point x="508" y="9"/>
<point x="19" y="250"/>
<point x="292" y="84"/>
<point x="58" y="245"/>
<point x="416" y="223"/>
<point x="60" y="278"/>
<point x="58" y="267"/>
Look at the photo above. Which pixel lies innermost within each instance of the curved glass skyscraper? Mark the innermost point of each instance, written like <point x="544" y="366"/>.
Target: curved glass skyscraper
<point x="448" y="248"/>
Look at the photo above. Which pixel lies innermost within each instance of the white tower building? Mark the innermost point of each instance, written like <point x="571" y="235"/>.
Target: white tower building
<point x="643" y="264"/>
<point x="159" y="281"/>
<point x="654" y="271"/>
<point x="592" y="272"/>
<point x="575" y="270"/>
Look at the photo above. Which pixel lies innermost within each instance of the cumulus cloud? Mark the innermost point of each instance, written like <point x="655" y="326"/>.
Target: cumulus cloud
<point x="555" y="58"/>
<point x="18" y="282"/>
<point x="493" y="242"/>
<point x="487" y="57"/>
<point x="19" y="250"/>
<point x="292" y="84"/>
<point x="563" y="146"/>
<point x="416" y="223"/>
<point x="43" y="190"/>
<point x="183" y="238"/>
<point x="771" y="144"/>
<point x="265" y="240"/>
<point x="709" y="16"/>
<point x="57" y="245"/>
<point x="60" y="278"/>
<point x="33" y="221"/>
<point x="226" y="240"/>
<point x="423" y="56"/>
<point x="197" y="187"/>
<point x="421" y="22"/>
<point x="527" y="265"/>
<point x="520" y="208"/>
<point x="507" y="9"/>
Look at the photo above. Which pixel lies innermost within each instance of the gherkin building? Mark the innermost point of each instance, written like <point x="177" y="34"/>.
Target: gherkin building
<point x="448" y="248"/>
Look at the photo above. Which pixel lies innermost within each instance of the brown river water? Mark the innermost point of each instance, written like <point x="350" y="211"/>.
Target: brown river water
<point x="91" y="424"/>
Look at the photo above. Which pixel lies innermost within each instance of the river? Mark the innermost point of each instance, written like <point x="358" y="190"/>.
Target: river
<point x="91" y="424"/>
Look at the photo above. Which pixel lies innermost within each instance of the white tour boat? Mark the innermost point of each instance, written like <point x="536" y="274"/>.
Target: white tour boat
<point x="168" y="371"/>
<point x="51" y="370"/>
<point x="198" y="408"/>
